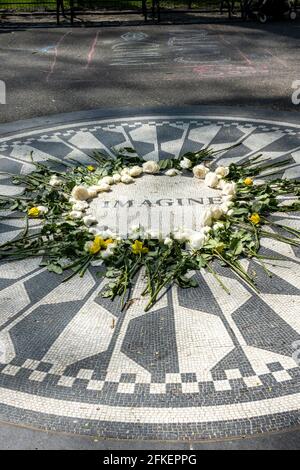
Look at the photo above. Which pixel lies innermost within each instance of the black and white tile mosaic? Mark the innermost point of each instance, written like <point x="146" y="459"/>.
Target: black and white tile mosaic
<point x="201" y="363"/>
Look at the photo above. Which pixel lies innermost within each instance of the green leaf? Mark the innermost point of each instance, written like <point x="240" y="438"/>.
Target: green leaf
<point x="54" y="268"/>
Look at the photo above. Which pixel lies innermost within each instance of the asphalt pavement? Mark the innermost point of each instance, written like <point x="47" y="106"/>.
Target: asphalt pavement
<point x="49" y="71"/>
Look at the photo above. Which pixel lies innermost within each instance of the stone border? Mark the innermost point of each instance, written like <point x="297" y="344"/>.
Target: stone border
<point x="250" y="113"/>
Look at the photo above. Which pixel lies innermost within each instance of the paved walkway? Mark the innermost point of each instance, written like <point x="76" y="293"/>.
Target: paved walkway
<point x="50" y="71"/>
<point x="201" y="364"/>
<point x="20" y="438"/>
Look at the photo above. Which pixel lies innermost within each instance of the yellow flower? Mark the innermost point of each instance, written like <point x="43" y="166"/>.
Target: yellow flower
<point x="91" y="168"/>
<point x="138" y="248"/>
<point x="255" y="218"/>
<point x="248" y="181"/>
<point x="97" y="244"/>
<point x="107" y="242"/>
<point x="33" y="212"/>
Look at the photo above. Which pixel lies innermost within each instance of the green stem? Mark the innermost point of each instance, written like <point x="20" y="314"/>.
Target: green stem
<point x="218" y="279"/>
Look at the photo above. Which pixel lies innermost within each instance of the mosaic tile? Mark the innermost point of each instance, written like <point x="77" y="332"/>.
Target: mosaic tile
<point x="200" y="363"/>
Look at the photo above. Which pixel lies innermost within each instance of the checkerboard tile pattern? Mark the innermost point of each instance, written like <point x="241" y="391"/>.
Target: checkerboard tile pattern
<point x="128" y="383"/>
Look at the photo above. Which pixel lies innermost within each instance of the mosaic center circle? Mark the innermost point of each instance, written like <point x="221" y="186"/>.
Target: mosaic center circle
<point x="157" y="203"/>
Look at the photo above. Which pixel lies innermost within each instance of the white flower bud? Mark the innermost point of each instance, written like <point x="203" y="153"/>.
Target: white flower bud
<point x="206" y="218"/>
<point x="216" y="212"/>
<point x="135" y="171"/>
<point x="185" y="163"/>
<point x="55" y="181"/>
<point x="197" y="240"/>
<point x="80" y="193"/>
<point x="200" y="171"/>
<point x="116" y="177"/>
<point x="211" y="180"/>
<point x="127" y="179"/>
<point x="168" y="241"/>
<point x="151" y="167"/>
<point x="80" y="206"/>
<point x="103" y="187"/>
<point x="222" y="171"/>
<point x="75" y="214"/>
<point x="43" y="209"/>
<point x="125" y="171"/>
<point x="89" y="220"/>
<point x="229" y="189"/>
<point x="172" y="172"/>
<point x="92" y="192"/>
<point x="107" y="180"/>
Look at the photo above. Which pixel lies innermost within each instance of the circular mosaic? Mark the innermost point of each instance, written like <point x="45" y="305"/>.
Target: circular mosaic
<point x="201" y="363"/>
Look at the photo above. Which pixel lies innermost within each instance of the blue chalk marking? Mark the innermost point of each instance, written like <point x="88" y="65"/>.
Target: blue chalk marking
<point x="47" y="49"/>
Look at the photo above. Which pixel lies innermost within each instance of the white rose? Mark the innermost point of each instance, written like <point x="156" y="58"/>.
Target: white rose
<point x="185" y="163"/>
<point x="135" y="228"/>
<point x="107" y="253"/>
<point x="80" y="206"/>
<point x="103" y="187"/>
<point x="168" y="241"/>
<point x="89" y="220"/>
<point x="179" y="235"/>
<point x="92" y="192"/>
<point x="135" y="171"/>
<point x="151" y="167"/>
<point x="200" y="171"/>
<point x="222" y="171"/>
<point x="221" y="184"/>
<point x="72" y="200"/>
<point x="116" y="177"/>
<point x="218" y="225"/>
<point x="228" y="198"/>
<point x="206" y="218"/>
<point x="211" y="180"/>
<point x="80" y="193"/>
<point x="216" y="212"/>
<point x="182" y="234"/>
<point x="127" y="179"/>
<point x="75" y="214"/>
<point x="105" y="234"/>
<point x="206" y="229"/>
<point x="55" y="181"/>
<point x="229" y="189"/>
<point x="43" y="209"/>
<point x="197" y="240"/>
<point x="152" y="234"/>
<point x="107" y="180"/>
<point x="226" y="206"/>
<point x="172" y="172"/>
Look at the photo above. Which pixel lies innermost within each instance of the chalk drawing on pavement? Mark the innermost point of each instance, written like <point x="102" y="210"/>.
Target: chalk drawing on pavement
<point x="135" y="49"/>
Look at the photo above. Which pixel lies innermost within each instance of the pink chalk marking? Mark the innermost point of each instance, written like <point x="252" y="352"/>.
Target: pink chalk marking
<point x="224" y="71"/>
<point x="226" y="41"/>
<point x="92" y="51"/>
<point x="52" y="67"/>
<point x="228" y="71"/>
<point x="280" y="61"/>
